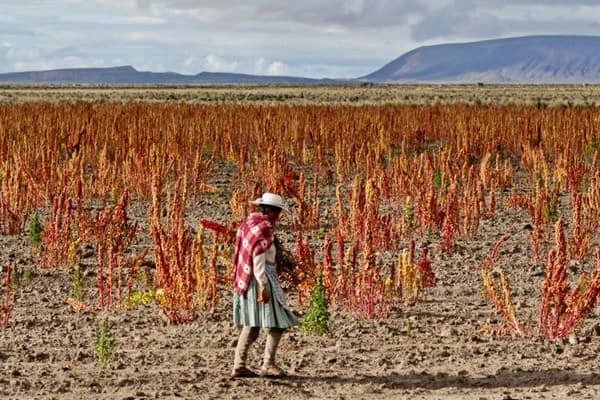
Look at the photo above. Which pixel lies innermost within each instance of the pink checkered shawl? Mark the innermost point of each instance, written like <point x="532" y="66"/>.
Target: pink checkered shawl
<point x="254" y="237"/>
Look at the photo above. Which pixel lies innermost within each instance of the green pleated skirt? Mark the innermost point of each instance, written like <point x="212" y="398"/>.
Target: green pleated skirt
<point x="274" y="314"/>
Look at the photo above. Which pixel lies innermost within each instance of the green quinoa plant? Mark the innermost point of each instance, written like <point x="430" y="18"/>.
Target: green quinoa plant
<point x="105" y="345"/>
<point x="316" y="320"/>
<point x="35" y="230"/>
<point x="77" y="284"/>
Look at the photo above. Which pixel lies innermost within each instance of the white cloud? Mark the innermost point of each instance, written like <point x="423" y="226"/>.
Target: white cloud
<point x="544" y="12"/>
<point x="208" y="63"/>
<point x="214" y="63"/>
<point x="259" y="65"/>
<point x="139" y="20"/>
<point x="277" y="68"/>
<point x="353" y="6"/>
<point x="19" y="53"/>
<point x="58" y="63"/>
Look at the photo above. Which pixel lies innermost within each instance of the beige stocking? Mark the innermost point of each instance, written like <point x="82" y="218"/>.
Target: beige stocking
<point x="273" y="338"/>
<point x="248" y="336"/>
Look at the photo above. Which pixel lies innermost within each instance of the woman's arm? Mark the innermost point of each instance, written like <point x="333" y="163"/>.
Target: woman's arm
<point x="260" y="271"/>
<point x="260" y="274"/>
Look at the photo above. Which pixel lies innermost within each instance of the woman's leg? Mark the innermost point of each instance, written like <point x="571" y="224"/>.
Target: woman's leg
<point x="248" y="335"/>
<point x="273" y="338"/>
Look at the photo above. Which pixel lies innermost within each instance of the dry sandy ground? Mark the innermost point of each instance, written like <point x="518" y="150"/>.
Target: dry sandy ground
<point x="551" y="95"/>
<point x="428" y="351"/>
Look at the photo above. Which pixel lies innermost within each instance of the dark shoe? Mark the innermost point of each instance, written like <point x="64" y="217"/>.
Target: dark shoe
<point x="271" y="371"/>
<point x="243" y="372"/>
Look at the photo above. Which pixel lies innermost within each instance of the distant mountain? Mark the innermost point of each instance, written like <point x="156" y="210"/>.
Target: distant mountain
<point x="530" y="59"/>
<point x="129" y="75"/>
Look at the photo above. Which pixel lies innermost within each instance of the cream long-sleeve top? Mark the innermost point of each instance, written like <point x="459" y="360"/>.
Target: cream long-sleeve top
<point x="260" y="265"/>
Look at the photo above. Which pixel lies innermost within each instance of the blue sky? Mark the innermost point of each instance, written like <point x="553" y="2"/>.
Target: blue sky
<point x="335" y="38"/>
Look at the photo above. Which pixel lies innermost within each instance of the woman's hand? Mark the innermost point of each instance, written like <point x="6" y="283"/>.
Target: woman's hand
<point x="264" y="294"/>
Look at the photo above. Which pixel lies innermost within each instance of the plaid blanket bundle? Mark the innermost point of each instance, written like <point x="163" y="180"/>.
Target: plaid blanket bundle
<point x="254" y="237"/>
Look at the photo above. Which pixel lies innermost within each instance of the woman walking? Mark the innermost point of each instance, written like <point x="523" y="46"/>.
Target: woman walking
<point x="258" y="300"/>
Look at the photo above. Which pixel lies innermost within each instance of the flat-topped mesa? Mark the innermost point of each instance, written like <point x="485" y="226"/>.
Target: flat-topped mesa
<point x="530" y="59"/>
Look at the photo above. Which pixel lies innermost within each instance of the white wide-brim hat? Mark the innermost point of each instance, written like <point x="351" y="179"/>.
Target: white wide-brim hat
<point x="269" y="199"/>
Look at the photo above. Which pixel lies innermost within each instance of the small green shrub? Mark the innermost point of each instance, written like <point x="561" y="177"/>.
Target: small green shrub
<point x="27" y="275"/>
<point x="316" y="320"/>
<point x="408" y="211"/>
<point x="77" y="285"/>
<point x="139" y="298"/>
<point x="105" y="345"/>
<point x="35" y="229"/>
<point x="438" y="179"/>
<point x="15" y="279"/>
<point x="409" y="330"/>
<point x="19" y="277"/>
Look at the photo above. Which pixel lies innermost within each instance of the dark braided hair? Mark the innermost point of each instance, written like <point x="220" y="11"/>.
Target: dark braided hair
<point x="264" y="208"/>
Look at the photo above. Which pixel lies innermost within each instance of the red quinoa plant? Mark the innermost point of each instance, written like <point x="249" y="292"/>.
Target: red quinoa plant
<point x="14" y="204"/>
<point x="580" y="243"/>
<point x="399" y="173"/>
<point x="184" y="279"/>
<point x="562" y="308"/>
<point x="412" y="277"/>
<point x="173" y="245"/>
<point x="497" y="290"/>
<point x="61" y="236"/>
<point x="112" y="233"/>
<point x="7" y="297"/>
